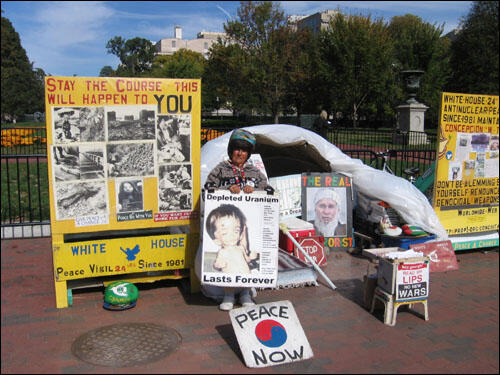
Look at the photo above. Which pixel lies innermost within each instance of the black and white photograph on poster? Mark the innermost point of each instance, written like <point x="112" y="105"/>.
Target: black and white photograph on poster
<point x="74" y="199"/>
<point x="66" y="124"/>
<point x="175" y="199"/>
<point x="174" y="188"/>
<point x="129" y="195"/>
<point x="91" y="124"/>
<point x="463" y="146"/>
<point x="455" y="171"/>
<point x="131" y="123"/>
<point x="130" y="159"/>
<point x="91" y="162"/>
<point x="240" y="240"/>
<point x="66" y="163"/>
<point x="174" y="138"/>
<point x="327" y="204"/>
<point x="480" y="142"/>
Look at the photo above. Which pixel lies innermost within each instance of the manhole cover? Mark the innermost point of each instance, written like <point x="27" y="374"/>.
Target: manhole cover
<point x="127" y="344"/>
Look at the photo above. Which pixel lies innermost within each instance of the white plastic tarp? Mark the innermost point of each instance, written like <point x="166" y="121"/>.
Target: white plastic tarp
<point x="403" y="196"/>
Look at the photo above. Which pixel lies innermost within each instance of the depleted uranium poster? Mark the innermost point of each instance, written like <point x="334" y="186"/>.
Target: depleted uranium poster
<point x="466" y="183"/>
<point x="122" y="152"/>
<point x="240" y="240"/>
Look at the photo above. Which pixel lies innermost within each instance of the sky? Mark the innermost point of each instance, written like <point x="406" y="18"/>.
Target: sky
<point x="67" y="38"/>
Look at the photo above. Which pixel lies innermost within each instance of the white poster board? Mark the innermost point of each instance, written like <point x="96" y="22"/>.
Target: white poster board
<point x="289" y="189"/>
<point x="270" y="334"/>
<point x="412" y="281"/>
<point x="240" y="240"/>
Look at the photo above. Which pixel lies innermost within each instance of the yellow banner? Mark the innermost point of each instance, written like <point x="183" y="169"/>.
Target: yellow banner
<point x="123" y="153"/>
<point x="466" y="183"/>
<point x="87" y="259"/>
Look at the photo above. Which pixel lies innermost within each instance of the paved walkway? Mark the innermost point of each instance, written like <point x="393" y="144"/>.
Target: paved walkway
<point x="460" y="337"/>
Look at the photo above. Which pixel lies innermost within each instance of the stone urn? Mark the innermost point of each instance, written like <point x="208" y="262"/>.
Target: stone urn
<point x="412" y="84"/>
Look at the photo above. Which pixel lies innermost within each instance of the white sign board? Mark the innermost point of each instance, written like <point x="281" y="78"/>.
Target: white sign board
<point x="240" y="240"/>
<point x="289" y="189"/>
<point x="412" y="281"/>
<point x="270" y="334"/>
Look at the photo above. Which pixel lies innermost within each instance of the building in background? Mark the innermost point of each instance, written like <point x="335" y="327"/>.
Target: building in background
<point x="316" y="22"/>
<point x="202" y="43"/>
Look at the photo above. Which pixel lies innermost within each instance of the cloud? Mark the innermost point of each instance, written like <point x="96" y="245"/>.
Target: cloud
<point x="66" y="34"/>
<point x="224" y="11"/>
<point x="63" y="24"/>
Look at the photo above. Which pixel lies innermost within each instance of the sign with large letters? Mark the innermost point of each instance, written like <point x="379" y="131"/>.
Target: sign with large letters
<point x="466" y="182"/>
<point x="124" y="164"/>
<point x="240" y="239"/>
<point x="270" y="334"/>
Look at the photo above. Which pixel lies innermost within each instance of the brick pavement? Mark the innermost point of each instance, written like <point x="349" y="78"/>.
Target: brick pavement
<point x="460" y="337"/>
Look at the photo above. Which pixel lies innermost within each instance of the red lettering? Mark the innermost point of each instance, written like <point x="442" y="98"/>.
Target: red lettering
<point x="51" y="84"/>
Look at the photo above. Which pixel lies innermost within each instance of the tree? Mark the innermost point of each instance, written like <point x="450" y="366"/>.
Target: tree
<point x="419" y="45"/>
<point x="303" y="81"/>
<point x="21" y="85"/>
<point x="358" y="56"/>
<point x="136" y="55"/>
<point x="474" y="52"/>
<point x="107" y="71"/>
<point x="182" y="64"/>
<point x="224" y="80"/>
<point x="261" y="36"/>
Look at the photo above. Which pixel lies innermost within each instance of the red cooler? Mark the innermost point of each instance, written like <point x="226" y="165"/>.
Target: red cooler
<point x="297" y="228"/>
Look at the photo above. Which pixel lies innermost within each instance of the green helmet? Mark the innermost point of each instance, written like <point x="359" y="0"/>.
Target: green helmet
<point x="241" y="139"/>
<point x="120" y="295"/>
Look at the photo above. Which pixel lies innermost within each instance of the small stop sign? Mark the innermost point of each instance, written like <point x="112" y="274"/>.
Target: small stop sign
<point x="314" y="248"/>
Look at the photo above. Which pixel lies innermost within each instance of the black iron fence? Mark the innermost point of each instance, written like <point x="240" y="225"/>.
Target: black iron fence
<point x="24" y="170"/>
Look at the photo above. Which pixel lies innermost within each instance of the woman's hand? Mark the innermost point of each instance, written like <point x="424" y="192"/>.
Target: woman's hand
<point x="248" y="189"/>
<point x="235" y="189"/>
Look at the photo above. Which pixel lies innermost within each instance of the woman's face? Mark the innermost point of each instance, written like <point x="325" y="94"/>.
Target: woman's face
<point x="239" y="157"/>
<point x="127" y="187"/>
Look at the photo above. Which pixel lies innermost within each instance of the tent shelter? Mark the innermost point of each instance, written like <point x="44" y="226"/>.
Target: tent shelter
<point x="288" y="149"/>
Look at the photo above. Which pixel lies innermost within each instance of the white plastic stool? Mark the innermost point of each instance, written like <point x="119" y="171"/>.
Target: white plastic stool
<point x="388" y="300"/>
<point x="391" y="306"/>
<point x="409" y="303"/>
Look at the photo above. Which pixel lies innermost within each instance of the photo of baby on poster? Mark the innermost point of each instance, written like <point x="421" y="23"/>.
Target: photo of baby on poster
<point x="240" y="240"/>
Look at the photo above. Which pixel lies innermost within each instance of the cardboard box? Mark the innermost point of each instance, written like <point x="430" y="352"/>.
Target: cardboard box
<point x="407" y="279"/>
<point x="380" y="252"/>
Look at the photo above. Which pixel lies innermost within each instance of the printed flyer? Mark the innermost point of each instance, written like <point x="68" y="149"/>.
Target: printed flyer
<point x="290" y="192"/>
<point x="240" y="239"/>
<point x="466" y="183"/>
<point x="327" y="203"/>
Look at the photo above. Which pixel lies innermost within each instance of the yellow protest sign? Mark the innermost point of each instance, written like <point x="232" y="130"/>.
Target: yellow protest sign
<point x="466" y="182"/>
<point x="123" y="152"/>
<point x="124" y="164"/>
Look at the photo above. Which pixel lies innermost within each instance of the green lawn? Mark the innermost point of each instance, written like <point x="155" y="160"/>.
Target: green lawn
<point x="26" y="197"/>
